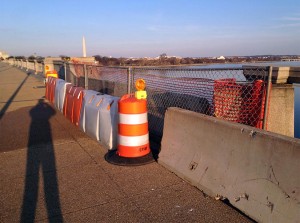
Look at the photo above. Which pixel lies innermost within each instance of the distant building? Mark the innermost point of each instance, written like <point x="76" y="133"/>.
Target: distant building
<point x="159" y="57"/>
<point x="221" y="58"/>
<point x="3" y="54"/>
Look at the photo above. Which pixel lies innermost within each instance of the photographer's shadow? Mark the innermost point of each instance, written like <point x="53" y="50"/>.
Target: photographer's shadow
<point x="41" y="157"/>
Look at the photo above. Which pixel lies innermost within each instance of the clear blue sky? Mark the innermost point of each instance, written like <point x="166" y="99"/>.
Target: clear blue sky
<point x="138" y="28"/>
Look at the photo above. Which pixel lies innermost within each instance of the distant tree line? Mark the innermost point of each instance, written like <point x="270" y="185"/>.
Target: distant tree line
<point x="164" y="60"/>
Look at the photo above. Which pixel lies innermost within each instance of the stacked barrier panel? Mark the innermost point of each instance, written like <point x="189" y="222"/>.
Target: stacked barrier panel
<point x="68" y="105"/>
<point x="50" y="89"/>
<point x="60" y="93"/>
<point x="47" y="90"/>
<point x="77" y="105"/>
<point x="108" y="122"/>
<point x="99" y="118"/>
<point x="72" y="104"/>
<point x="92" y="116"/>
<point x="88" y="95"/>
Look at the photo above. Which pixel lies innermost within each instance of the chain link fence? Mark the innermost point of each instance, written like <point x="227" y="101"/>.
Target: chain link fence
<point x="60" y="68"/>
<point x="107" y="80"/>
<point x="233" y="94"/>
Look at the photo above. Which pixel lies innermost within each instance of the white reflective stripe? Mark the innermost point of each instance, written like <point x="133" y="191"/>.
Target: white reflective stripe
<point x="75" y="92"/>
<point x="78" y="94"/>
<point x="133" y="140"/>
<point x="131" y="119"/>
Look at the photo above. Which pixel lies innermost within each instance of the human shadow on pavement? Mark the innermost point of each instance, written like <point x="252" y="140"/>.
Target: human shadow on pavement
<point x="41" y="157"/>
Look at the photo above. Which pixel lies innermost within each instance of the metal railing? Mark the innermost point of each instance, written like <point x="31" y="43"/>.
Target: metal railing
<point x="233" y="94"/>
<point x="37" y="67"/>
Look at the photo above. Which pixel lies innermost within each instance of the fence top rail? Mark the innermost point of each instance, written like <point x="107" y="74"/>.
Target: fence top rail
<point x="112" y="67"/>
<point x="261" y="68"/>
<point x="58" y="62"/>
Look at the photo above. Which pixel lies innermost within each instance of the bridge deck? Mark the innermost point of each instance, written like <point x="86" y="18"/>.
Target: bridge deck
<point x="51" y="171"/>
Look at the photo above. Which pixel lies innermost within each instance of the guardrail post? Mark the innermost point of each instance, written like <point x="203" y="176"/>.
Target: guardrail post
<point x="34" y="67"/>
<point x="86" y="79"/>
<point x="129" y="76"/>
<point x="268" y="92"/>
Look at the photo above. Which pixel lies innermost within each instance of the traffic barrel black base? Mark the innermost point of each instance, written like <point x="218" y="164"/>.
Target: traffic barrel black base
<point x="113" y="158"/>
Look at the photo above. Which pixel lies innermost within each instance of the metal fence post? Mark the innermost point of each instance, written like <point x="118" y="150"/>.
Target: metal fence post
<point x="65" y="67"/>
<point x="265" y="119"/>
<point x="86" y="79"/>
<point x="129" y="76"/>
<point x="43" y="69"/>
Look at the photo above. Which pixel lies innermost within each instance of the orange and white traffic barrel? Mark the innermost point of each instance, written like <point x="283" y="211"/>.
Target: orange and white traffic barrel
<point x="133" y="135"/>
<point x="52" y="73"/>
<point x="48" y="74"/>
<point x="133" y="138"/>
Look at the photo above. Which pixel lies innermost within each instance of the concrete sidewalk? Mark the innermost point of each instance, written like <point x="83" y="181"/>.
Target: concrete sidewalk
<point x="52" y="172"/>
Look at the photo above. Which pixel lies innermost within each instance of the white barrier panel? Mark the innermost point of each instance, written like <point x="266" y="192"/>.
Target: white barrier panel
<point x="60" y="93"/>
<point x="92" y="116"/>
<point x="256" y="170"/>
<point x="99" y="117"/>
<point x="108" y="122"/>
<point x="88" y="95"/>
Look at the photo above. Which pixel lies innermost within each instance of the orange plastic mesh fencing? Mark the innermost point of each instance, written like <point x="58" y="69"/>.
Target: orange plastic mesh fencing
<point x="239" y="102"/>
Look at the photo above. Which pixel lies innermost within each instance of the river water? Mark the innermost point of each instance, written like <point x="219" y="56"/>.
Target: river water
<point x="282" y="63"/>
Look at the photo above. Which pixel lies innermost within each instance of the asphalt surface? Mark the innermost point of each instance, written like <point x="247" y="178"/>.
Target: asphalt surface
<point x="52" y="172"/>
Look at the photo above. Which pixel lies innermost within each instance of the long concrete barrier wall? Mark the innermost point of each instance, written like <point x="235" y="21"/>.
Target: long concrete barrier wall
<point x="257" y="171"/>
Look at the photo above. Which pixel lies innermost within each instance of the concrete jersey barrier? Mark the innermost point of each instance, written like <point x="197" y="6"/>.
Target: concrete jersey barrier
<point x="257" y="171"/>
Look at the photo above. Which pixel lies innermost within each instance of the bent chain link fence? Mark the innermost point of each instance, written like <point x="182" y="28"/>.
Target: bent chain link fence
<point x="233" y="94"/>
<point x="59" y="67"/>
